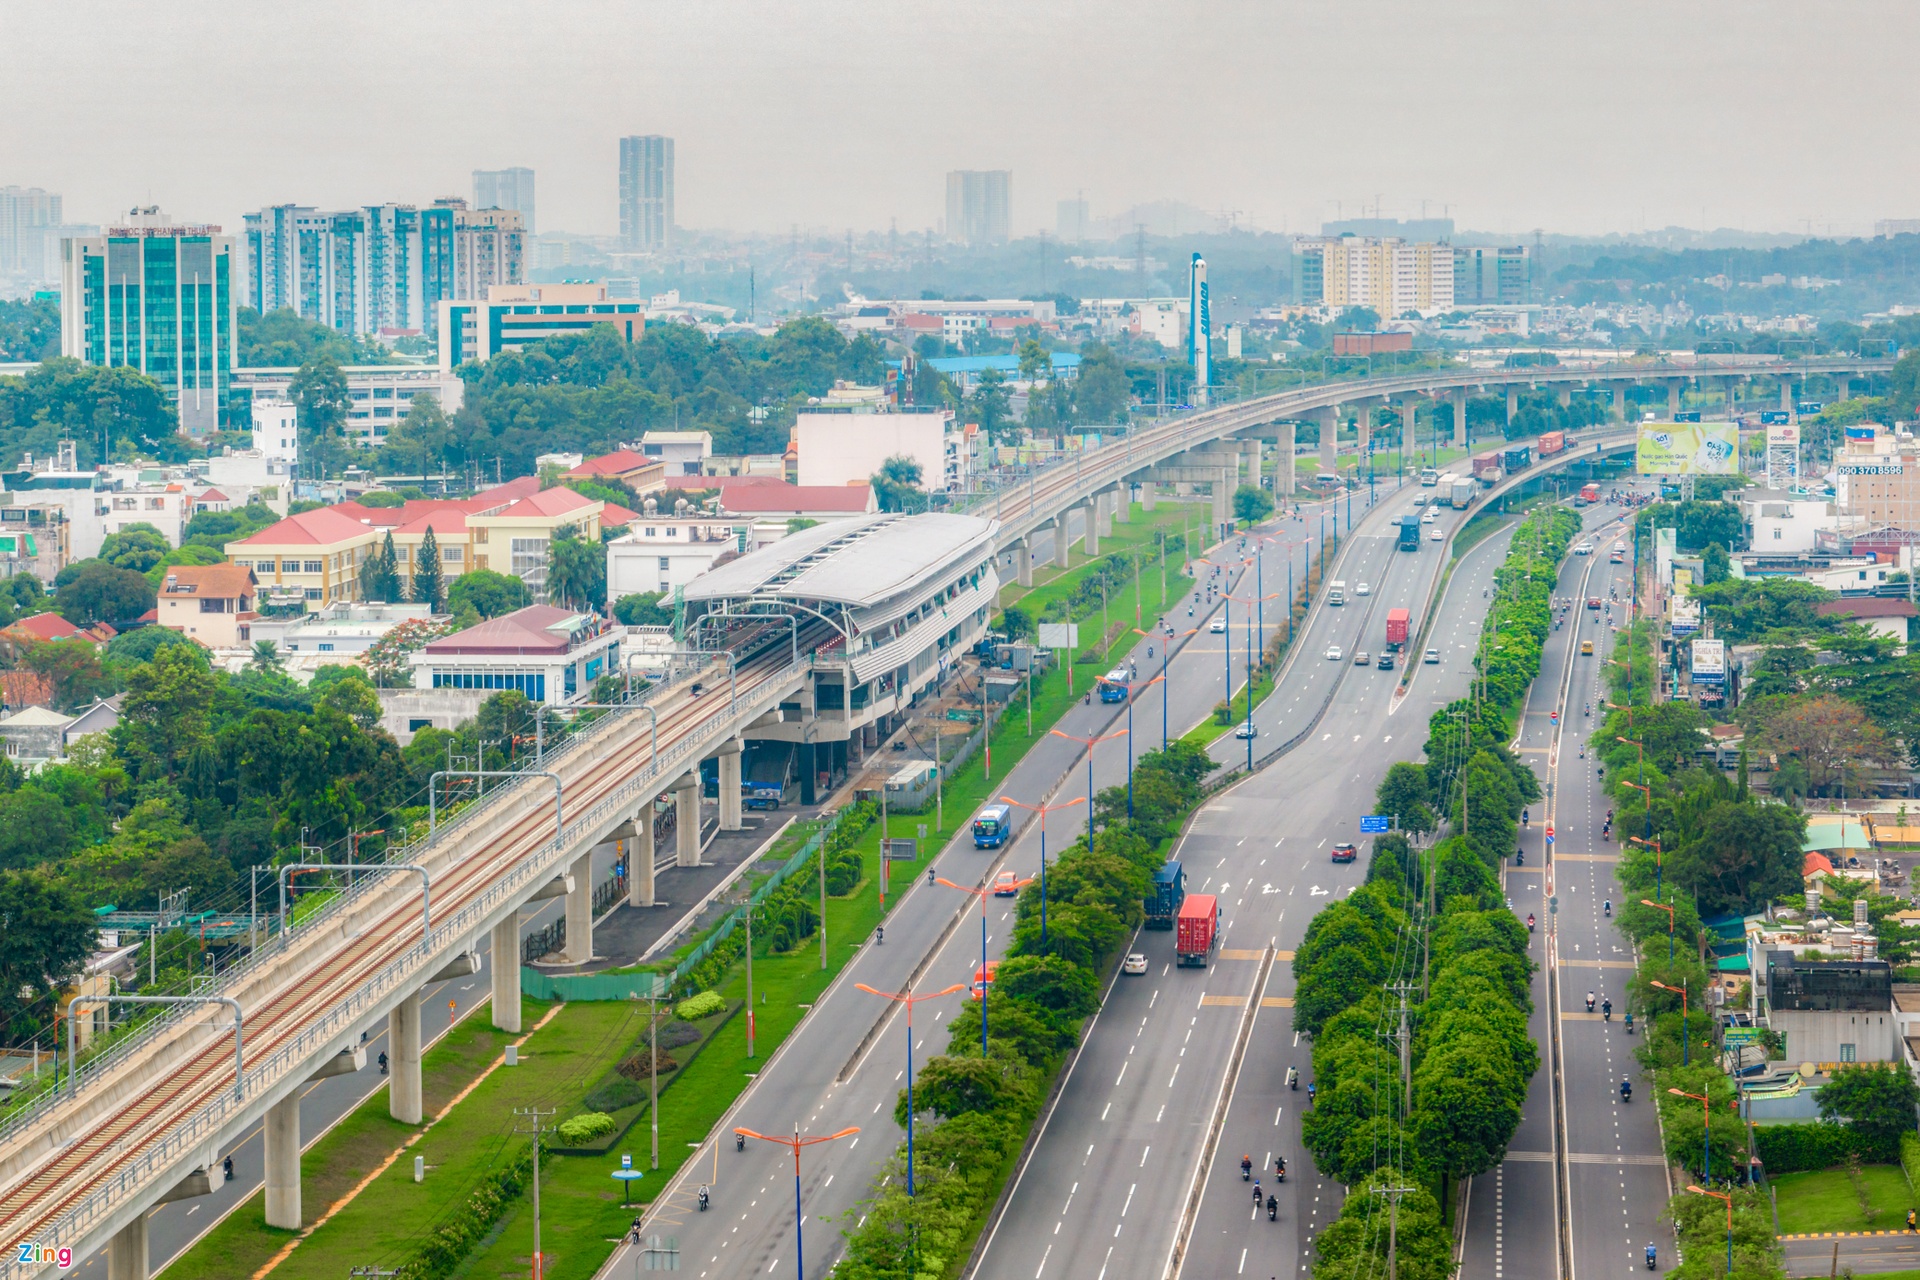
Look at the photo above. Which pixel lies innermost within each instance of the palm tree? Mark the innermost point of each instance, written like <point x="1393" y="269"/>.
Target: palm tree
<point x="266" y="656"/>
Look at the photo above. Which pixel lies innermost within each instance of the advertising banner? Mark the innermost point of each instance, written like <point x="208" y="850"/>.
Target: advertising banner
<point x="1783" y="433"/>
<point x="1692" y="449"/>
<point x="1709" y="661"/>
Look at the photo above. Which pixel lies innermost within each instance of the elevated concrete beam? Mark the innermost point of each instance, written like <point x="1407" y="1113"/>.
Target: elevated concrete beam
<point x="558" y="887"/>
<point x="461" y="966"/>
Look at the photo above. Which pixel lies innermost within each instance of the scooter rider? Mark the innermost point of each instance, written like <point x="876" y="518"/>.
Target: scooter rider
<point x="1606" y="1011"/>
<point x="1273" y="1208"/>
<point x="1589" y="1002"/>
<point x="1652" y="1258"/>
<point x="1529" y="922"/>
<point x="1279" y="1168"/>
<point x="1246" y="1168"/>
<point x="1257" y="1195"/>
<point x="1626" y="1090"/>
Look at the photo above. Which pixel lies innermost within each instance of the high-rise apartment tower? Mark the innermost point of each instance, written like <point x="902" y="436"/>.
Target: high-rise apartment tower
<point x="979" y="205"/>
<point x="505" y="189"/>
<point x="646" y="192"/>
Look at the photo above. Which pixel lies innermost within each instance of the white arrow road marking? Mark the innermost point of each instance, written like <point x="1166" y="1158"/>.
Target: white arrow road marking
<point x="1316" y="892"/>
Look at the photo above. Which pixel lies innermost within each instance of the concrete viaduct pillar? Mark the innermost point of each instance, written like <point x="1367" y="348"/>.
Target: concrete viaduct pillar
<point x="1513" y="402"/>
<point x="1363" y="431"/>
<point x="503" y="946"/>
<point x="1674" y="386"/>
<point x="280" y="1134"/>
<point x="404" y="1097"/>
<point x="686" y="818"/>
<point x="1023" y="562"/>
<point x="1329" y="436"/>
<point x="1123" y="502"/>
<point x="730" y="752"/>
<point x="1565" y="396"/>
<point x="1090" y="527"/>
<point x="1147" y="495"/>
<point x="1062" y="551"/>
<point x="579" y="948"/>
<point x="127" y="1249"/>
<point x="1460" y="437"/>
<point x="1786" y="394"/>
<point x="639" y="838"/>
<point x="1286" y="477"/>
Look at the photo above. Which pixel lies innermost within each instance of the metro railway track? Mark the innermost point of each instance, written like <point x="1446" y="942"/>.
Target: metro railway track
<point x="37" y="1198"/>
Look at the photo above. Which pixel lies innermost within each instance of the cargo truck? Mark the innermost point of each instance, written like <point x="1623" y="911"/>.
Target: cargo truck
<point x="1460" y="493"/>
<point x="1398" y="623"/>
<point x="1486" y="468"/>
<point x="1169" y="891"/>
<point x="1195" y="930"/>
<point x="1517" y="459"/>
<point x="1552" y="442"/>
<point x="1409" y="532"/>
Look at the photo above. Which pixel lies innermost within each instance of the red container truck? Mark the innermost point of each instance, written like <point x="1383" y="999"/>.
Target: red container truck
<point x="1397" y="622"/>
<point x="1551" y="443"/>
<point x="1196" y="929"/>
<point x="1488" y="467"/>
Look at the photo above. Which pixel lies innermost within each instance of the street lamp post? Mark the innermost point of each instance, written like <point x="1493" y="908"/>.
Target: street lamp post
<point x="1043" y="810"/>
<point x="799" y="1219"/>
<point x="908" y="999"/>
<point x="1728" y="1197"/>
<point x="1686" y="1055"/>
<point x="1089" y="744"/>
<point x="981" y="893"/>
<point x="1706" y="1130"/>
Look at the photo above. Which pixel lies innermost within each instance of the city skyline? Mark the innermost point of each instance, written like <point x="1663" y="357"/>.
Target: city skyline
<point x="1514" y="130"/>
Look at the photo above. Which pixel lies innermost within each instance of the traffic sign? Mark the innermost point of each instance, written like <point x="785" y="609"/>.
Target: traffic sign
<point x="1375" y="823"/>
<point x="1553" y="717"/>
<point x="1549" y="833"/>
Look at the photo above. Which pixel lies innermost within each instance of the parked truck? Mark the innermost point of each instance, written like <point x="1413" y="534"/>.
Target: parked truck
<point x="1399" y="621"/>
<point x="1169" y="891"/>
<point x="1409" y="532"/>
<point x="1196" y="929"/>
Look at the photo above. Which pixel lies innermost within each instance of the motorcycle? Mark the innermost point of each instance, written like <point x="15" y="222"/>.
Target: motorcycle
<point x="1606" y="1011"/>
<point x="1246" y="1168"/>
<point x="703" y="1199"/>
<point x="1519" y="857"/>
<point x="1652" y="1258"/>
<point x="1626" y="1091"/>
<point x="1629" y="1022"/>
<point x="1279" y="1170"/>
<point x="1529" y="922"/>
<point x="1607" y="908"/>
<point x="1273" y="1209"/>
<point x="1293" y="1078"/>
<point x="1589" y="1002"/>
<point x="1257" y="1196"/>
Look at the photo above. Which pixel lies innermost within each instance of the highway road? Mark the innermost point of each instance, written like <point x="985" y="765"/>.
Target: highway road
<point x="822" y="1079"/>
<point x="1109" y="1181"/>
<point x="1612" y="1174"/>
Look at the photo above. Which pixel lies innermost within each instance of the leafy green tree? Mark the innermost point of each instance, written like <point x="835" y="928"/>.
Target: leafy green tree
<point x="1746" y="610"/>
<point x="94" y="591"/>
<point x="321" y="402"/>
<point x="643" y="609"/>
<point x="1354" y="1246"/>
<point x="1877" y="1098"/>
<point x="265" y="656"/>
<point x="46" y="934"/>
<point x="576" y="571"/>
<point x="72" y="668"/>
<point x="138" y="547"/>
<point x="487" y="593"/>
<point x="352" y="696"/>
<point x="35" y="827"/>
<point x="1251" y="504"/>
<point x="896" y="486"/>
<point x="1403" y="793"/>
<point x="1101" y="392"/>
<point x="990" y="405"/>
<point x="1716" y="565"/>
<point x="953" y="1086"/>
<point x="29" y="329"/>
<point x="166" y="712"/>
<point x="428" y="586"/>
<point x="1745" y="856"/>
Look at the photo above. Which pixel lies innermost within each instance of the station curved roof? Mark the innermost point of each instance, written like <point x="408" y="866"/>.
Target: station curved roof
<point x="857" y="563"/>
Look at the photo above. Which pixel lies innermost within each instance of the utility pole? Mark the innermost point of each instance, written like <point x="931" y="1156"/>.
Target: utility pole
<point x="1393" y="1195"/>
<point x="1406" y="1048"/>
<point x="533" y="1116"/>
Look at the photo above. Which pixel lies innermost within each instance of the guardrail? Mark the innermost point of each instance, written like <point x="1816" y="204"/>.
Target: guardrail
<point x="188" y="1136"/>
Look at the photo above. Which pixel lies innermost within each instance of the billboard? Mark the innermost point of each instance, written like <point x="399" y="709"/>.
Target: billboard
<point x="1774" y="417"/>
<point x="1783" y="433"/>
<point x="1709" y="661"/>
<point x="1693" y="449"/>
<point x="1059" y="635"/>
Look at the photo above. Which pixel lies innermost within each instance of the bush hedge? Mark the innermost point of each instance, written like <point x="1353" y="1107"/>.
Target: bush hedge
<point x="704" y="1005"/>
<point x="585" y="1128"/>
<point x="1801" y="1148"/>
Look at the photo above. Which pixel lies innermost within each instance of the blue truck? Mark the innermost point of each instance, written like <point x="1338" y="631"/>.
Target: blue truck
<point x="1409" y="533"/>
<point x="1169" y="891"/>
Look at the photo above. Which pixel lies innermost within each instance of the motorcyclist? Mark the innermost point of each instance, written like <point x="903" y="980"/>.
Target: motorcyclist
<point x="930" y="876"/>
<point x="226" y="1169"/>
<point x="1246" y="1168"/>
<point x="1273" y="1208"/>
<point x="1310" y="1092"/>
<point x="1519" y="857"/>
<point x="880" y="936"/>
<point x="1629" y="1022"/>
<point x="703" y="1198"/>
<point x="383" y="1062"/>
<point x="1279" y="1168"/>
<point x="1589" y="1002"/>
<point x="1525" y="817"/>
<point x="1652" y="1258"/>
<point x="1626" y="1090"/>
<point x="1606" y="1010"/>
<point x="1258" y="1195"/>
<point x="1607" y="907"/>
<point x="1293" y="1078"/>
<point x="1529" y="922"/>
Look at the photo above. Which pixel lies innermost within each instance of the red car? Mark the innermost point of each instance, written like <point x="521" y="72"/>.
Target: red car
<point x="1593" y="602"/>
<point x="1345" y="852"/>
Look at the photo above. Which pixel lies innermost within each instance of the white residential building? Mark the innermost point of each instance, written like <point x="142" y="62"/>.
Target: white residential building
<point x="380" y="394"/>
<point x="848" y="448"/>
<point x="660" y="553"/>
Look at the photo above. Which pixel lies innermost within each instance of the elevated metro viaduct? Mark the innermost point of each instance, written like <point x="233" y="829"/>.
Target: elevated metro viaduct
<point x="835" y="609"/>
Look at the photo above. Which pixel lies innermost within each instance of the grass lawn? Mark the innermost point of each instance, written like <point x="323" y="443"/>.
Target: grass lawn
<point x="1887" y="1275"/>
<point x="1830" y="1200"/>
<point x="332" y="1167"/>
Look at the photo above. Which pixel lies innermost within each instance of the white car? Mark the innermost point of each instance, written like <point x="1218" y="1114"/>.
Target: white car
<point x="1333" y="653"/>
<point x="1218" y="626"/>
<point x="1360" y="659"/>
<point x="1134" y="963"/>
<point x="1584" y="549"/>
<point x="1429" y="518"/>
<point x="1434" y="535"/>
<point x="1433" y="655"/>
<point x="1363" y="590"/>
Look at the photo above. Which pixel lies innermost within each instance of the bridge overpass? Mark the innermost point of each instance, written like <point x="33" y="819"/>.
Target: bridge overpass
<point x="1219" y="447"/>
<point x="142" y="1121"/>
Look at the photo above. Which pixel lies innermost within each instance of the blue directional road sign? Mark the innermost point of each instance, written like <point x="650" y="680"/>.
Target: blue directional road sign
<point x="1375" y="824"/>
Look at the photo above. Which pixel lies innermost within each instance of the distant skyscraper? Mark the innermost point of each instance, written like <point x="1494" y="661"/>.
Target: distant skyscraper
<point x="26" y="213"/>
<point x="646" y="192"/>
<point x="160" y="298"/>
<point x="505" y="189"/>
<point x="979" y="205"/>
<point x="1071" y="222"/>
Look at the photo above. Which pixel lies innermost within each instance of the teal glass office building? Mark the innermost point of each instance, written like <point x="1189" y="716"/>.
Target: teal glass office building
<point x="159" y="298"/>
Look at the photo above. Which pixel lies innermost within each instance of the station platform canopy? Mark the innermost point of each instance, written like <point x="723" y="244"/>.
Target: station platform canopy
<point x="858" y="564"/>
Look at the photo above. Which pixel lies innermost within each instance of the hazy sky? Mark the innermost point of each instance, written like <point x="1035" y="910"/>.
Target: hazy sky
<point x="1584" y="117"/>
